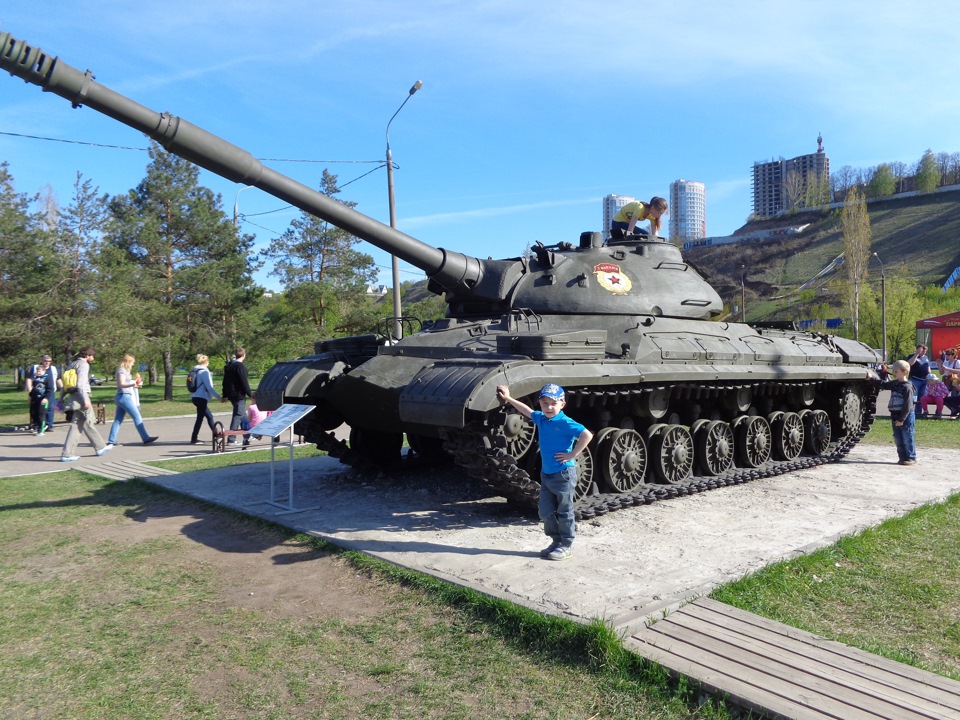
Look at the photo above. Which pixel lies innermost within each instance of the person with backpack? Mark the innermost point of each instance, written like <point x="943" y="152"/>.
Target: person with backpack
<point x="200" y="386"/>
<point x="76" y="399"/>
<point x="42" y="382"/>
<point x="236" y="389"/>
<point x="128" y="402"/>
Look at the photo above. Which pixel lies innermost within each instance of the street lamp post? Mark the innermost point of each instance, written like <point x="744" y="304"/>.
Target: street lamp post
<point x="236" y="205"/>
<point x="394" y="262"/>
<point x="883" y="305"/>
<point x="743" y="296"/>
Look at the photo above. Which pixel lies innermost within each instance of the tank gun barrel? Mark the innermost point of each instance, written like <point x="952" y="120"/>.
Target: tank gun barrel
<point x="451" y="270"/>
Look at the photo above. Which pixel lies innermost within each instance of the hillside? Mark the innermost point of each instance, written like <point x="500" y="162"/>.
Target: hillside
<point x="922" y="233"/>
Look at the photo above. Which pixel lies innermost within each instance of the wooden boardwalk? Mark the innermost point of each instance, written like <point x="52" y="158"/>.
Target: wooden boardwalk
<point x="782" y="672"/>
<point x="127" y="470"/>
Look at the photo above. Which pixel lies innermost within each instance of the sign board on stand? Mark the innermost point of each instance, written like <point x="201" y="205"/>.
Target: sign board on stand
<point x="283" y="418"/>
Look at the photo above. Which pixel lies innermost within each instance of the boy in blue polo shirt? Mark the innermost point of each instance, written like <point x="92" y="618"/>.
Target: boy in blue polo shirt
<point x="561" y="440"/>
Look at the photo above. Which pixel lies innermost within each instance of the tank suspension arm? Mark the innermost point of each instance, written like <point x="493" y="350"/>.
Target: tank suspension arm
<point x="452" y="270"/>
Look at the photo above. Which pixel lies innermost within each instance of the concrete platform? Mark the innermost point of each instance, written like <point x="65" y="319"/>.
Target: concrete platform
<point x="627" y="566"/>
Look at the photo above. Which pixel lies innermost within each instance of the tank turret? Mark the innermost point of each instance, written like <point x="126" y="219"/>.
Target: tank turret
<point x="677" y="400"/>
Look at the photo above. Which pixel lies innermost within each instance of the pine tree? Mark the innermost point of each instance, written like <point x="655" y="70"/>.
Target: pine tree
<point x="323" y="274"/>
<point x="189" y="270"/>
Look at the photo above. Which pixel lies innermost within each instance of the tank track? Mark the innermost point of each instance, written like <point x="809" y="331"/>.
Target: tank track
<point x="480" y="448"/>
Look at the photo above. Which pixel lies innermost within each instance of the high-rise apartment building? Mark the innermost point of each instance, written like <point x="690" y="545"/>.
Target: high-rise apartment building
<point x="688" y="210"/>
<point x="781" y="185"/>
<point x="611" y="206"/>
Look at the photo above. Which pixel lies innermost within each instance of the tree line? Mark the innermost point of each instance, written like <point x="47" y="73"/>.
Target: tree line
<point x="931" y="171"/>
<point x="163" y="273"/>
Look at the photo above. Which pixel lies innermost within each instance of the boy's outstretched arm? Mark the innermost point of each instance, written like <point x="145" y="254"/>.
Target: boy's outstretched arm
<point x="503" y="392"/>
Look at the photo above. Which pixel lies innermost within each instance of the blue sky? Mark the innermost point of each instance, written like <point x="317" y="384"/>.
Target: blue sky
<point x="529" y="114"/>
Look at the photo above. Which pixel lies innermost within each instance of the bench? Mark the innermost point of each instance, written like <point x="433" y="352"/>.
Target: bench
<point x="220" y="435"/>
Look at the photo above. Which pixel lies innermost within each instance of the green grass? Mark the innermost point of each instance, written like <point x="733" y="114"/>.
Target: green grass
<point x="929" y="433"/>
<point x="893" y="590"/>
<point x="98" y="621"/>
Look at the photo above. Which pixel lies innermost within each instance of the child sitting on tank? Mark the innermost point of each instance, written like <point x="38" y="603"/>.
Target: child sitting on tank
<point x="562" y="439"/>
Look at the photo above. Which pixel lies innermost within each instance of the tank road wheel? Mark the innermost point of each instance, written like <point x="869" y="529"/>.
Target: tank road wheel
<point x="752" y="438"/>
<point x="816" y="427"/>
<point x="382" y="448"/>
<point x="519" y="433"/>
<point x="788" y="435"/>
<point x="622" y="460"/>
<point x="671" y="453"/>
<point x="652" y="404"/>
<point x="851" y="410"/>
<point x="714" y="446"/>
<point x="738" y="400"/>
<point x="584" y="475"/>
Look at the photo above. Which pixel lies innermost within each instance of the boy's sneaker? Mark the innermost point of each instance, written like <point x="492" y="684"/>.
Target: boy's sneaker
<point x="559" y="553"/>
<point x="70" y="458"/>
<point x="106" y="448"/>
<point x="549" y="549"/>
<point x="909" y="462"/>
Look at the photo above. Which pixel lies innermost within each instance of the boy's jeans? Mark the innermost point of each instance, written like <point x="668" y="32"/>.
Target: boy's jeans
<point x="556" y="505"/>
<point x="904" y="438"/>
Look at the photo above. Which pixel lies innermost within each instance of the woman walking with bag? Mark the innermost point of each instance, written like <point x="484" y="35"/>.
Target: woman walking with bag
<point x="201" y="396"/>
<point x="128" y="402"/>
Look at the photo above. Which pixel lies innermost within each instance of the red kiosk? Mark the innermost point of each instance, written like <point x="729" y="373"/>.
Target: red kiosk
<point x="939" y="333"/>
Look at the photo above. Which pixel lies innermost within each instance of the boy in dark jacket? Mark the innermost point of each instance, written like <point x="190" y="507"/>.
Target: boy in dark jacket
<point x="901" y="410"/>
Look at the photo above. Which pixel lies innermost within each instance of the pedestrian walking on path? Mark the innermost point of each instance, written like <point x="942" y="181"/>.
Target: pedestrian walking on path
<point x="128" y="402"/>
<point x="76" y="400"/>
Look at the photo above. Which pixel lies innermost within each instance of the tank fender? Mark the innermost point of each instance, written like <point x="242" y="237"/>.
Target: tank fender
<point x="301" y="379"/>
<point x="854" y="351"/>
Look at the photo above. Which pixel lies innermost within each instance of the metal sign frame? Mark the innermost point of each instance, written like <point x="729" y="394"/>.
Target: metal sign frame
<point x="283" y="418"/>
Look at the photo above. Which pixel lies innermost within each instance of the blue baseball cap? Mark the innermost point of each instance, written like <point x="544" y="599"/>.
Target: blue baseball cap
<point x="552" y="390"/>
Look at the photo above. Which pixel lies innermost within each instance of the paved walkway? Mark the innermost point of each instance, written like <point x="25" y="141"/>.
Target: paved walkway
<point x="22" y="453"/>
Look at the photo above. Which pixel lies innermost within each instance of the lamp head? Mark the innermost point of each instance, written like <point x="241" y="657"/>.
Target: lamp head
<point x="416" y="86"/>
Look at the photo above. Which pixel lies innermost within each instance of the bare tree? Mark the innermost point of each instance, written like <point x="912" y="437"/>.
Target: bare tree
<point x="899" y="170"/>
<point x="856" y="249"/>
<point x="943" y="162"/>
<point x="793" y="189"/>
<point x="842" y="180"/>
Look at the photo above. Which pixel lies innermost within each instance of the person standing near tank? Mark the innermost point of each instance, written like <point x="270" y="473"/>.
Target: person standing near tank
<point x="562" y="439"/>
<point x="128" y="402"/>
<point x="236" y="389"/>
<point x="633" y="212"/>
<point x="900" y="406"/>
<point x="77" y="401"/>
<point x="42" y="383"/>
<point x="919" y="365"/>
<point x="202" y="396"/>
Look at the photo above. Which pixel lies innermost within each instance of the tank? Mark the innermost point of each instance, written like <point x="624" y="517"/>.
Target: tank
<point x="679" y="400"/>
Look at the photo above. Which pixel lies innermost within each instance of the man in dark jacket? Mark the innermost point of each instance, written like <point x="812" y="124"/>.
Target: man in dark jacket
<point x="236" y="389"/>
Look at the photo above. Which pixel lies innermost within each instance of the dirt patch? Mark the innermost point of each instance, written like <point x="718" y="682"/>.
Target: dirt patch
<point x="258" y="567"/>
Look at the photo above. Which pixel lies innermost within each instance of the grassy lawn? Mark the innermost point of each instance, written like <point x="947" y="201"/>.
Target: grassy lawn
<point x="101" y="616"/>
